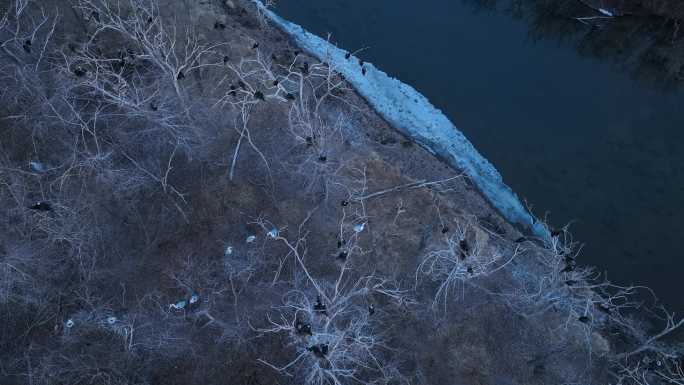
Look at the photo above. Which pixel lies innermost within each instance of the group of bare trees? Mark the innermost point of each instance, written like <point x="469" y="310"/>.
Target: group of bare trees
<point x="103" y="130"/>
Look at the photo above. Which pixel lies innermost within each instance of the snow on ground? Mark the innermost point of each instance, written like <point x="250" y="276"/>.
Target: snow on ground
<point x="412" y="114"/>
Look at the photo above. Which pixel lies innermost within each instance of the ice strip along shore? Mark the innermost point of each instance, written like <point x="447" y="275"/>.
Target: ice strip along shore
<point x="412" y="113"/>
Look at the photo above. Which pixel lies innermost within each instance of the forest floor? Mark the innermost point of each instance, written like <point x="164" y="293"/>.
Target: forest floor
<point x="186" y="198"/>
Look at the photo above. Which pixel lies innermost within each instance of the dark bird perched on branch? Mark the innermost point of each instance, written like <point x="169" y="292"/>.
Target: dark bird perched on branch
<point x="153" y="106"/>
<point x="340" y="242"/>
<point x="342" y="256"/>
<point x="371" y="309"/>
<point x="255" y="45"/>
<point x="259" y="95"/>
<point x="445" y="229"/>
<point x="149" y="20"/>
<point x="363" y="71"/>
<point x="79" y="72"/>
<point x="41" y="206"/>
<point x="27" y="46"/>
<point x="322" y="158"/>
<point x="226" y="59"/>
<point x="302" y="327"/>
<point x="347" y="55"/>
<point x="305" y="68"/>
<point x="464" y="249"/>
<point x="219" y="25"/>
<point x="180" y="75"/>
<point x="319" y="351"/>
<point x="583" y="319"/>
<point x="289" y="96"/>
<point x="319" y="307"/>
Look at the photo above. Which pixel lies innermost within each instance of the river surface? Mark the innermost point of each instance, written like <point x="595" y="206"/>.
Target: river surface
<point x="574" y="136"/>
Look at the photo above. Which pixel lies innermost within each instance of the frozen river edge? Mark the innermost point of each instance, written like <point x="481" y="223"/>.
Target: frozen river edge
<point x="414" y="116"/>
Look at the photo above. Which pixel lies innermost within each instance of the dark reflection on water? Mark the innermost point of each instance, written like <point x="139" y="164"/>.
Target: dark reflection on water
<point x="573" y="135"/>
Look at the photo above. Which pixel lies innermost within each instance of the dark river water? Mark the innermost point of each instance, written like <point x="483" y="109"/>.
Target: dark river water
<point x="573" y="135"/>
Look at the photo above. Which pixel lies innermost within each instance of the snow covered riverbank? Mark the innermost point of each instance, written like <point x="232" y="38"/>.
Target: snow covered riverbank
<point x="411" y="113"/>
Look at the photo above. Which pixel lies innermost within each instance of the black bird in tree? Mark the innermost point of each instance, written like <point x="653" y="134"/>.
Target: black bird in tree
<point x="371" y="309"/>
<point x="259" y="95"/>
<point x="322" y="158"/>
<point x="320" y="350"/>
<point x="219" y="25"/>
<point x="347" y="55"/>
<point x="344" y="203"/>
<point x="342" y="256"/>
<point x="363" y="71"/>
<point x="41" y="206"/>
<point x="226" y="59"/>
<point x="79" y="72"/>
<point x="154" y="107"/>
<point x="180" y="75"/>
<point x="464" y="249"/>
<point x="27" y="46"/>
<point x="584" y="319"/>
<point x="302" y="327"/>
<point x="289" y="96"/>
<point x="319" y="307"/>
<point x="445" y="229"/>
<point x="255" y="45"/>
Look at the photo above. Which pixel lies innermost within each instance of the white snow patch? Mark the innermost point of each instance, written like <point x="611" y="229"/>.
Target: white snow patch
<point x="411" y="113"/>
<point x="605" y="12"/>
